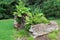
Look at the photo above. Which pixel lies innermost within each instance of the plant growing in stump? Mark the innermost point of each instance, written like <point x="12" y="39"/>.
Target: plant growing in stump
<point x="24" y="18"/>
<point x="20" y="15"/>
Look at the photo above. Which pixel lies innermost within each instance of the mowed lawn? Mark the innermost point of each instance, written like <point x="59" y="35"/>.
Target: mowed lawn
<point x="6" y="29"/>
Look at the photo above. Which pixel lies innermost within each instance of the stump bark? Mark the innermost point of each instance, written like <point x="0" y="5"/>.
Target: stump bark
<point x="20" y="24"/>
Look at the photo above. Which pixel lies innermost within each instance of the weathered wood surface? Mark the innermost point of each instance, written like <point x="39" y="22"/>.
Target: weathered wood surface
<point x="42" y="29"/>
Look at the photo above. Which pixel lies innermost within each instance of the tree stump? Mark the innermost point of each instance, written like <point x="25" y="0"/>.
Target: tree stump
<point x="20" y="24"/>
<point x="42" y="29"/>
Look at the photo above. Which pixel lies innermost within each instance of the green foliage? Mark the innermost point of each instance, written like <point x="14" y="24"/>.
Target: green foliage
<point x="34" y="16"/>
<point x="21" y="9"/>
<point x="48" y="7"/>
<point x="37" y="18"/>
<point x="27" y="27"/>
<point x="1" y="16"/>
<point x="6" y="8"/>
<point x="6" y="1"/>
<point x="51" y="8"/>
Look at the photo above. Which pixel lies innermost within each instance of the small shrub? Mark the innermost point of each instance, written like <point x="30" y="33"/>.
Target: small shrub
<point x="28" y="17"/>
<point x="21" y="9"/>
<point x="35" y="19"/>
<point x="51" y="8"/>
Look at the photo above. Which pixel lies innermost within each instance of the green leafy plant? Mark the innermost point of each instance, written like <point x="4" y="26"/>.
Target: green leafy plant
<point x="30" y="17"/>
<point x="37" y="18"/>
<point x="6" y="8"/>
<point x="21" y="13"/>
<point x="21" y="9"/>
<point x="6" y="1"/>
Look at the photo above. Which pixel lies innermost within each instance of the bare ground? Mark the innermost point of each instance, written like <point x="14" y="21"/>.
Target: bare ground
<point x="42" y="38"/>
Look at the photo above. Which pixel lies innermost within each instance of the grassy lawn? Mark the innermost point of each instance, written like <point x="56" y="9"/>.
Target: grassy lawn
<point x="6" y="30"/>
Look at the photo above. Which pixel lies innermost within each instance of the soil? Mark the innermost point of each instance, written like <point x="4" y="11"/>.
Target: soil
<point x="42" y="38"/>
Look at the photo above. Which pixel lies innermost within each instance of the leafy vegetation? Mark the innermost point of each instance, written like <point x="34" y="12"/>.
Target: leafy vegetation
<point x="6" y="8"/>
<point x="21" y="9"/>
<point x="30" y="17"/>
<point x="51" y="8"/>
<point x="28" y="12"/>
<point x="26" y="17"/>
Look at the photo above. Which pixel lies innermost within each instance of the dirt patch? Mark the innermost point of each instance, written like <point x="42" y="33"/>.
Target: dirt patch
<point x="42" y="38"/>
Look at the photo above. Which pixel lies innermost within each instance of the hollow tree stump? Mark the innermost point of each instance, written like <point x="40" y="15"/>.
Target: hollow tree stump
<point x="42" y="29"/>
<point x="20" y="24"/>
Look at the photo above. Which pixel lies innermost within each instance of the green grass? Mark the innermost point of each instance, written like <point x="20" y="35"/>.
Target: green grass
<point x="53" y="35"/>
<point x="6" y="30"/>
